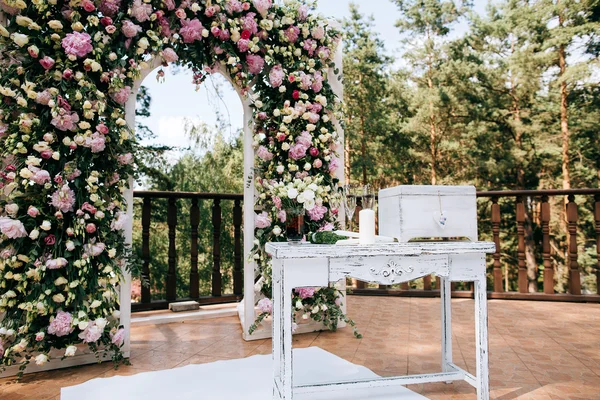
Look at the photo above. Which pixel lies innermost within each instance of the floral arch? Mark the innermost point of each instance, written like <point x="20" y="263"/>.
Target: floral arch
<point x="68" y="72"/>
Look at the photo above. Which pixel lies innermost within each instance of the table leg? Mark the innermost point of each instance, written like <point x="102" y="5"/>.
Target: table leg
<point x="446" y="300"/>
<point x="286" y="344"/>
<point x="481" y="337"/>
<point x="277" y="331"/>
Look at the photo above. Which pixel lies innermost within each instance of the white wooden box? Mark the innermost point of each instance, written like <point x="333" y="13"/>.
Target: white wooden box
<point x="410" y="211"/>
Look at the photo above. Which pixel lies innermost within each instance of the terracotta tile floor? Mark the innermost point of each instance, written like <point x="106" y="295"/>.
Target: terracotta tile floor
<point x="537" y="350"/>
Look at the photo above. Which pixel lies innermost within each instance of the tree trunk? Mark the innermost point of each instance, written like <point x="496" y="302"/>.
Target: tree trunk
<point x="432" y="136"/>
<point x="347" y="154"/>
<point x="363" y="149"/>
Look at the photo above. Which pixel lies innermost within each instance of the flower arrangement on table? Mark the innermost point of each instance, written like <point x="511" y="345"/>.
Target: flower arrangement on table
<point x="66" y="73"/>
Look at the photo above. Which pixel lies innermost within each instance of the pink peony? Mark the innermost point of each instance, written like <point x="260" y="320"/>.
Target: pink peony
<point x="165" y="27"/>
<point x="56" y="263"/>
<point x="305" y="293"/>
<point x="109" y="7"/>
<point x="276" y="76"/>
<point x="255" y="63"/>
<point x="118" y="338"/>
<point x="243" y="45"/>
<point x="292" y="33"/>
<point x="41" y="177"/>
<point x="277" y="201"/>
<point x="264" y="153"/>
<point x="318" y="83"/>
<point x="233" y="6"/>
<point x="318" y="32"/>
<point x="96" y="143"/>
<point x="310" y="46"/>
<point x="63" y="199"/>
<point x="170" y="4"/>
<point x="61" y="324"/>
<point x="297" y="151"/>
<point x="65" y="121"/>
<point x="12" y="228"/>
<point x="125" y="159"/>
<point x="130" y="29"/>
<point x="119" y="223"/>
<point x="91" y="333"/>
<point x="323" y="52"/>
<point x="262" y="6"/>
<point x="47" y="63"/>
<point x="302" y="13"/>
<point x="317" y="213"/>
<point x="305" y="139"/>
<point x="77" y="43"/>
<point x="191" y="30"/>
<point x="141" y="11"/>
<point x="262" y="220"/>
<point x="169" y="55"/>
<point x="265" y="305"/>
<point x="328" y="227"/>
<point x="122" y="95"/>
<point x="249" y="23"/>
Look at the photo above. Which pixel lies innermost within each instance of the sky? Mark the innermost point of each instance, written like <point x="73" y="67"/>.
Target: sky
<point x="176" y="99"/>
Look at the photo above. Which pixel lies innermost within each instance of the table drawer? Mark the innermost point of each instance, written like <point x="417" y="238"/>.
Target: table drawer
<point x="387" y="270"/>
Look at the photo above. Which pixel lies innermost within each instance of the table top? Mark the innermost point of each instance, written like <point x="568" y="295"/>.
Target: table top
<point x="284" y="250"/>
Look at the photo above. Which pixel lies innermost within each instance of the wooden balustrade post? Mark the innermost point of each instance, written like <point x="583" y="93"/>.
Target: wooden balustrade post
<point x="194" y="276"/>
<point x="427" y="282"/>
<point x="172" y="271"/>
<point x="496" y="219"/>
<point x="572" y="217"/>
<point x="237" y="249"/>
<point x="522" y="277"/>
<point x="216" y="272"/>
<point x="146" y="219"/>
<point x="548" y="268"/>
<point x="597" y="220"/>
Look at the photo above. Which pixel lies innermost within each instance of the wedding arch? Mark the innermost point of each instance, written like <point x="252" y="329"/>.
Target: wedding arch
<point x="69" y="74"/>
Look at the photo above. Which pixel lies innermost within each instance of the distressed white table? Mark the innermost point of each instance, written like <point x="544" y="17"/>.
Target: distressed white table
<point x="309" y="265"/>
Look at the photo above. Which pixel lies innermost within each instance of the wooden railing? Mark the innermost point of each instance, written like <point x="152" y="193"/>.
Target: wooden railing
<point x="174" y="199"/>
<point x="526" y="211"/>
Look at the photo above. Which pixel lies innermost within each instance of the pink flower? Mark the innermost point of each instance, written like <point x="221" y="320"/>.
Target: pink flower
<point x="170" y="4"/>
<point x="109" y="7"/>
<point x="243" y="45"/>
<point x="41" y="177"/>
<point x="33" y="211"/>
<point x="97" y="142"/>
<point x="94" y="250"/>
<point x="323" y="52"/>
<point x="249" y="23"/>
<point x="88" y="5"/>
<point x="334" y="164"/>
<point x="67" y="74"/>
<point x="61" y="324"/>
<point x="305" y="139"/>
<point x="33" y="51"/>
<point x="169" y="55"/>
<point x="233" y="6"/>
<point x="302" y="13"/>
<point x="297" y="151"/>
<point x="191" y="30"/>
<point x="264" y="153"/>
<point x="141" y="11"/>
<point x="282" y="216"/>
<point x="65" y="121"/>
<point x="292" y="33"/>
<point x="130" y="29"/>
<point x="43" y="98"/>
<point x="12" y="228"/>
<point x="63" y="199"/>
<point x="305" y="293"/>
<point x="255" y="63"/>
<point x="77" y="43"/>
<point x="318" y="83"/>
<point x="91" y="333"/>
<point x="50" y="240"/>
<point x="56" y="263"/>
<point x="262" y="220"/>
<point x="118" y="338"/>
<point x="328" y="227"/>
<point x="317" y="163"/>
<point x="180" y="13"/>
<point x="210" y="11"/>
<point x="110" y="29"/>
<point x="310" y="46"/>
<point x="317" y="213"/>
<point x="39" y="336"/>
<point x="125" y="159"/>
<point x="165" y="27"/>
<point x="277" y="202"/>
<point x="276" y="76"/>
<point x="119" y="223"/>
<point x="318" y="32"/>
<point x="101" y="128"/>
<point x="265" y="305"/>
<point x="122" y="95"/>
<point x="4" y="128"/>
<point x="90" y="228"/>
<point x="262" y="6"/>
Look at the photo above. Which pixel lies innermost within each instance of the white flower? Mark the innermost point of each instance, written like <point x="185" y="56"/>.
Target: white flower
<point x="34" y="234"/>
<point x="299" y="305"/>
<point x="280" y="169"/>
<point x="308" y="194"/>
<point x="101" y="323"/>
<point x="46" y="226"/>
<point x="70" y="351"/>
<point x="41" y="359"/>
<point x="277" y="230"/>
<point x="83" y="324"/>
<point x="70" y="245"/>
<point x="60" y="281"/>
<point x="58" y="298"/>
<point x="95" y="304"/>
<point x="292" y="193"/>
<point x="20" y="39"/>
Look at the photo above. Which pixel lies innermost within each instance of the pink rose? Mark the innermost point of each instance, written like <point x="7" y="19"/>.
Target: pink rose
<point x="210" y="11"/>
<point x="255" y="63"/>
<point x="318" y="32"/>
<point x="264" y="153"/>
<point x="305" y="139"/>
<point x="88" y="5"/>
<point x="47" y="63"/>
<point x="170" y="4"/>
<point x="91" y="333"/>
<point x="122" y="95"/>
<point x="96" y="143"/>
<point x="61" y="324"/>
<point x="33" y="211"/>
<point x="317" y="163"/>
<point x="41" y="177"/>
<point x="77" y="44"/>
<point x="63" y="199"/>
<point x="130" y="29"/>
<point x="191" y="30"/>
<point x="50" y="240"/>
<point x="33" y="51"/>
<point x="305" y="293"/>
<point x="262" y="220"/>
<point x="277" y="202"/>
<point x="180" y="13"/>
<point x="110" y="29"/>
<point x="43" y="98"/>
<point x="318" y="84"/>
<point x="106" y="21"/>
<point x="57" y="263"/>
<point x="67" y="74"/>
<point x="66" y="121"/>
<point x="243" y="45"/>
<point x="265" y="306"/>
<point x="90" y="228"/>
<point x="141" y="11"/>
<point x="12" y="228"/>
<point x="39" y="336"/>
<point x="276" y="76"/>
<point x="103" y="129"/>
<point x="314" y="151"/>
<point x="169" y="55"/>
<point x="125" y="159"/>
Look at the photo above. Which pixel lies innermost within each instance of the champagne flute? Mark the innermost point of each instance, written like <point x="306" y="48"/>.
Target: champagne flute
<point x="368" y="197"/>
<point x="350" y="202"/>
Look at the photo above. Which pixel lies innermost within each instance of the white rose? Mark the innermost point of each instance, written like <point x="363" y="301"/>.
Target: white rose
<point x="309" y="204"/>
<point x="277" y="230"/>
<point x="95" y="304"/>
<point x="41" y="359"/>
<point x="70" y="351"/>
<point x="20" y="39"/>
<point x="12" y="209"/>
<point x="280" y="169"/>
<point x="276" y="113"/>
<point x="307" y="167"/>
<point x="55" y="24"/>
<point x="60" y="281"/>
<point x="285" y="146"/>
<point x="34" y="234"/>
<point x="70" y="245"/>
